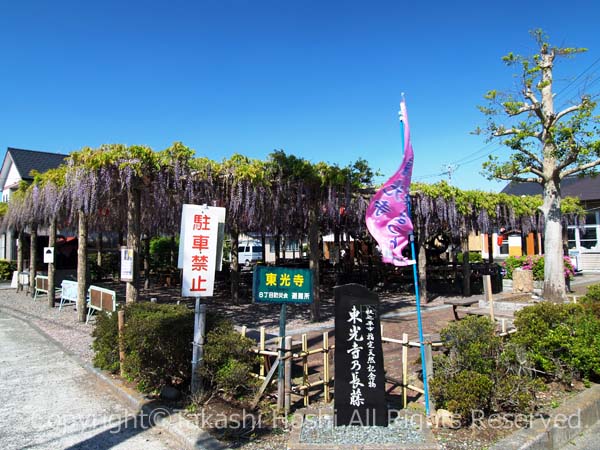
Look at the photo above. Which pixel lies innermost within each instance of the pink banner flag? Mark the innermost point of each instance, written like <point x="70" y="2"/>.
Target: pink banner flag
<point x="387" y="216"/>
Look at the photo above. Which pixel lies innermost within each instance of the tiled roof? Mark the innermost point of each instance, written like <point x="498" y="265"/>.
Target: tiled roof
<point x="585" y="188"/>
<point x="28" y="160"/>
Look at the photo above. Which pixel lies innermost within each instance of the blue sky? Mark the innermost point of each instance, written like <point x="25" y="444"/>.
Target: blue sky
<point x="321" y="80"/>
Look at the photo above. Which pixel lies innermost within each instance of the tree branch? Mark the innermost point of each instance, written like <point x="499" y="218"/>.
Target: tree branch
<point x="534" y="170"/>
<point x="523" y="109"/>
<point x="568" y="110"/>
<point x="535" y="105"/>
<point x="507" y="132"/>
<point x="531" y="96"/>
<point x="520" y="179"/>
<point x="531" y="155"/>
<point x="569" y="159"/>
<point x="589" y="165"/>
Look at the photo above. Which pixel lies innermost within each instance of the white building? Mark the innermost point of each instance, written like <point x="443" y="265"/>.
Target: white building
<point x="17" y="167"/>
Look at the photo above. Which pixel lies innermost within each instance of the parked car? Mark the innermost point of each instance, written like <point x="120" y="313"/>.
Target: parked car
<point x="249" y="252"/>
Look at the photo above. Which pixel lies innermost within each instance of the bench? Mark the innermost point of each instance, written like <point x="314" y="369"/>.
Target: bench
<point x="100" y="299"/>
<point x="41" y="286"/>
<point x="68" y="293"/>
<point x="456" y="302"/>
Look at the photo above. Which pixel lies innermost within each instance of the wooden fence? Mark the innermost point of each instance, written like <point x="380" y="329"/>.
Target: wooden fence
<point x="298" y="352"/>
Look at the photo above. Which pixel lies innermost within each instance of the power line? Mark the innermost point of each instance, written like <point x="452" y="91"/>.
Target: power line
<point x="578" y="77"/>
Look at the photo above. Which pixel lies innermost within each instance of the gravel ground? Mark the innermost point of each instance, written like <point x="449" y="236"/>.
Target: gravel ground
<point x="321" y="430"/>
<point x="60" y="325"/>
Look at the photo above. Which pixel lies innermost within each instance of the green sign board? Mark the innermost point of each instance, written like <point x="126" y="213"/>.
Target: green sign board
<point x="282" y="285"/>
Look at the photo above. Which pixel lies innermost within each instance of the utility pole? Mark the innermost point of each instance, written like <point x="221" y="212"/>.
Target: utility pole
<point x="449" y="169"/>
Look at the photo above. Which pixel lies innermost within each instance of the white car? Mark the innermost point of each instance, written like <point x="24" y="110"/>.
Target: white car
<point x="249" y="252"/>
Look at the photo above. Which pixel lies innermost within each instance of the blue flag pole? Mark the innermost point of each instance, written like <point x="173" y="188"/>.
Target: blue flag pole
<point x="416" y="280"/>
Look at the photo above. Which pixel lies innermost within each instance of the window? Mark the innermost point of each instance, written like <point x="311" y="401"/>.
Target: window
<point x="589" y="237"/>
<point x="586" y="237"/>
<point x="292" y="246"/>
<point x="571" y="238"/>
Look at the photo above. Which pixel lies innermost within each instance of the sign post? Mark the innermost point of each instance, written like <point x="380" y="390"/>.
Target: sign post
<point x="198" y="257"/>
<point x="126" y="264"/>
<point x="282" y="285"/>
<point x="48" y="255"/>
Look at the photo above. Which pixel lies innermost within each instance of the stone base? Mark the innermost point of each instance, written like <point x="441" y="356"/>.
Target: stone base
<point x="522" y="281"/>
<point x="308" y="417"/>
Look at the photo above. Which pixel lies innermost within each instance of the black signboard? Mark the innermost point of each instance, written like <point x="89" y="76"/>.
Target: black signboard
<point x="359" y="377"/>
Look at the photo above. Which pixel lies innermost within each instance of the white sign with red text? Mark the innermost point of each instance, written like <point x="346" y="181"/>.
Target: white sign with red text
<point x="200" y="226"/>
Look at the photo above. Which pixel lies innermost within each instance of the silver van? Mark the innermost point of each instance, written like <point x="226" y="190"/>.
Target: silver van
<point x="249" y="252"/>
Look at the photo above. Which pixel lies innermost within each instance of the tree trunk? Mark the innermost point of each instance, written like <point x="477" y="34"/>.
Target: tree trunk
<point x="554" y="275"/>
<point x="147" y="262"/>
<point x="315" y="255"/>
<point x="133" y="242"/>
<point x="32" y="258"/>
<point x="277" y="249"/>
<point x="422" y="269"/>
<point x="263" y="241"/>
<point x="99" y="249"/>
<point x="81" y="266"/>
<point x="466" y="267"/>
<point x="52" y="265"/>
<point x="234" y="273"/>
<point x="173" y="247"/>
<point x="20" y="244"/>
<point x="490" y="245"/>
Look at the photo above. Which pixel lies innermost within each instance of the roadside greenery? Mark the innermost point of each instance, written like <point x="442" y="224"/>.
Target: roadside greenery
<point x="534" y="263"/>
<point x="6" y="269"/>
<point x="562" y="340"/>
<point x="481" y="372"/>
<point x="158" y="349"/>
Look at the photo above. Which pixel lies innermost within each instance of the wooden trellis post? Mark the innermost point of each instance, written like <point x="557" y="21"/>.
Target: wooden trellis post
<point x="305" y="369"/>
<point x="261" y="347"/>
<point x="326" y="380"/>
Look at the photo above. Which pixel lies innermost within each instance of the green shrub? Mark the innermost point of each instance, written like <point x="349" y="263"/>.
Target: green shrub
<point x="472" y="344"/>
<point x="561" y="339"/>
<point x="480" y="372"/>
<point x="474" y="257"/>
<point x="534" y="263"/>
<point x="228" y="360"/>
<point x="516" y="393"/>
<point x="591" y="300"/>
<point x="158" y="348"/>
<point x="163" y="252"/>
<point x="105" y="342"/>
<point x="6" y="269"/>
<point x="464" y="392"/>
<point x="158" y="344"/>
<point x="512" y="263"/>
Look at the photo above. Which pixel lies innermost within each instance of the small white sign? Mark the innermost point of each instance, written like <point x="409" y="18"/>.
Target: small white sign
<point x="48" y="255"/>
<point x="126" y="264"/>
<point x="200" y="225"/>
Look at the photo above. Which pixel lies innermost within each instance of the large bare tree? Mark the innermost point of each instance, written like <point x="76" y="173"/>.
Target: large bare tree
<point x="546" y="145"/>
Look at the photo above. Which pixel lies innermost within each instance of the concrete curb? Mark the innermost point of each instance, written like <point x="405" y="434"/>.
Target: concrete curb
<point x="187" y="434"/>
<point x="566" y="422"/>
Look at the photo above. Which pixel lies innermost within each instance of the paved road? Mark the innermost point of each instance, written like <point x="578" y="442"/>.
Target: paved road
<point x="48" y="401"/>
<point x="587" y="441"/>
